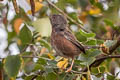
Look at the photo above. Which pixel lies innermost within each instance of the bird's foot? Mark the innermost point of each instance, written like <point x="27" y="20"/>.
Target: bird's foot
<point x="69" y="69"/>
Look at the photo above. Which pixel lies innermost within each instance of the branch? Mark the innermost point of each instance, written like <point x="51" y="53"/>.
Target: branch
<point x="58" y="9"/>
<point x="114" y="47"/>
<point x="102" y="57"/>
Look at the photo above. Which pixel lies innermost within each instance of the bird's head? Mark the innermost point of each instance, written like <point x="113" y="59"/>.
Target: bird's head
<point x="58" y="21"/>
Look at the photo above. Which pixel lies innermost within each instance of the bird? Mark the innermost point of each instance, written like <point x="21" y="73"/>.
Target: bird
<point x="62" y="39"/>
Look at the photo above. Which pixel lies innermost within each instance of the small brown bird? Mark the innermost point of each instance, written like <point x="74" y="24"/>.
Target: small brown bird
<point x="62" y="40"/>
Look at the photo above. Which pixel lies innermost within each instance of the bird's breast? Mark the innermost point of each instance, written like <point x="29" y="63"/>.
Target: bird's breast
<point x="63" y="47"/>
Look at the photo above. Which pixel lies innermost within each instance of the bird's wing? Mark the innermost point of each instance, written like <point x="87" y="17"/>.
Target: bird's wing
<point x="69" y="36"/>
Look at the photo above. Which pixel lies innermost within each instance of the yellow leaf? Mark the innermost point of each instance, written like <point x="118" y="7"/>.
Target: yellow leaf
<point x="62" y="64"/>
<point x="38" y="6"/>
<point x="19" y="42"/>
<point x="50" y="56"/>
<point x="94" y="11"/>
<point x="83" y="78"/>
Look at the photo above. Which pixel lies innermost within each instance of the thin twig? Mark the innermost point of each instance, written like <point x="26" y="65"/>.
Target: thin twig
<point x="36" y="57"/>
<point x="78" y="72"/>
<point x="58" y="9"/>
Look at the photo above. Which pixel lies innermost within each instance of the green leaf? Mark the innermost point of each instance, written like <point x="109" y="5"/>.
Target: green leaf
<point x="49" y="69"/>
<point x="86" y="60"/>
<point x="45" y="44"/>
<point x="25" y="35"/>
<point x="41" y="61"/>
<point x="89" y="57"/>
<point x="93" y="52"/>
<point x="43" y="26"/>
<point x="39" y="77"/>
<point x="73" y="2"/>
<point x="80" y="37"/>
<point x="109" y="23"/>
<point x="109" y="43"/>
<point x="94" y="70"/>
<point x="100" y="41"/>
<point x="98" y="70"/>
<point x="29" y="77"/>
<point x="61" y="76"/>
<point x="38" y="67"/>
<point x="91" y="42"/>
<point x="60" y="4"/>
<point x="88" y="35"/>
<point x="51" y="76"/>
<point x="73" y="16"/>
<point x="92" y="2"/>
<point x="1" y="64"/>
<point x="52" y="63"/>
<point x="29" y="66"/>
<point x="11" y="35"/>
<point x="12" y="65"/>
<point x="110" y="77"/>
<point x="102" y="69"/>
<point x="118" y="49"/>
<point x="69" y="77"/>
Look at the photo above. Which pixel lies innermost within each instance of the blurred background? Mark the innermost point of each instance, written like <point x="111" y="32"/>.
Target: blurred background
<point x="100" y="17"/>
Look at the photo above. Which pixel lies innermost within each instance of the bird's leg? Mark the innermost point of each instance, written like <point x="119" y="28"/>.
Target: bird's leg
<point x="70" y="68"/>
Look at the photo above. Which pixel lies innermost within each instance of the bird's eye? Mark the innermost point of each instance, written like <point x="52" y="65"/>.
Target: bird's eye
<point x="56" y="25"/>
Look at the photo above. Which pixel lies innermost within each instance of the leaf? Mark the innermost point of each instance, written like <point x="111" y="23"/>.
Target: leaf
<point x="39" y="77"/>
<point x="93" y="52"/>
<point x="62" y="64"/>
<point x="51" y="76"/>
<point x="49" y="69"/>
<point x="102" y="69"/>
<point x="80" y="37"/>
<point x="1" y="64"/>
<point x="38" y="67"/>
<point x="51" y="56"/>
<point x="29" y="77"/>
<point x="110" y="77"/>
<point x="45" y="44"/>
<point x="92" y="2"/>
<point x="25" y="35"/>
<point x="91" y="42"/>
<point x="94" y="11"/>
<point x="41" y="61"/>
<point x="94" y="70"/>
<point x="109" y="43"/>
<point x="100" y="41"/>
<point x="12" y="65"/>
<point x="29" y="66"/>
<point x="43" y="26"/>
<point x="89" y="57"/>
<point x="109" y="23"/>
<point x="52" y="63"/>
<point x="38" y="7"/>
<point x="74" y="3"/>
<point x="17" y="24"/>
<point x="88" y="35"/>
<point x="86" y="60"/>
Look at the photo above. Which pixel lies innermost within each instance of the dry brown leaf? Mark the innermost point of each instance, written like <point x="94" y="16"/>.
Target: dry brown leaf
<point x="17" y="24"/>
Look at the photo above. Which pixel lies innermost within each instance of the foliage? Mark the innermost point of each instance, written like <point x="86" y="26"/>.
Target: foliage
<point x="31" y="30"/>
